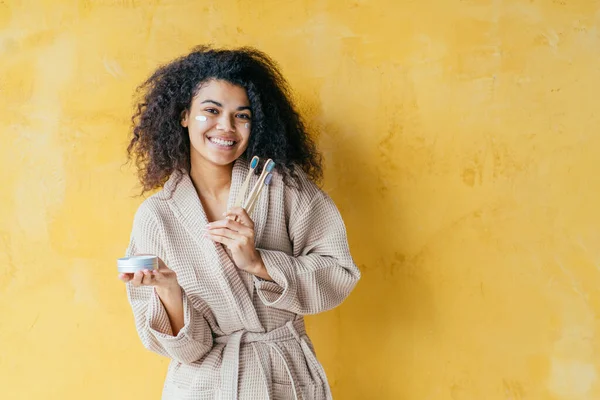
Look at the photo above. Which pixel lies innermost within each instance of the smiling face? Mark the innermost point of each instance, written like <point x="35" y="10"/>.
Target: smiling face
<point x="218" y="123"/>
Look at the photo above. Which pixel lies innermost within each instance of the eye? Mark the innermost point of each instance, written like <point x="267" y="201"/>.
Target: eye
<point x="244" y="116"/>
<point x="212" y="110"/>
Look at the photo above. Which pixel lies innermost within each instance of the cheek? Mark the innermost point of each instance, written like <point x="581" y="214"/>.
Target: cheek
<point x="245" y="136"/>
<point x="200" y="124"/>
<point x="245" y="139"/>
<point x="244" y="129"/>
<point x="197" y="131"/>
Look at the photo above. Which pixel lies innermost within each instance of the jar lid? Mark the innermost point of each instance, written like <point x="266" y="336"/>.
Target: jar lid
<point x="138" y="261"/>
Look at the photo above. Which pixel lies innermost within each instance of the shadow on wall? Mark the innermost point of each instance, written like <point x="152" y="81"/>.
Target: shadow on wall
<point x="392" y="305"/>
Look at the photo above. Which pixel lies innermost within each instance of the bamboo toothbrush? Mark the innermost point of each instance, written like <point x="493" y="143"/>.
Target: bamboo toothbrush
<point x="240" y="196"/>
<point x="251" y="205"/>
<point x="269" y="165"/>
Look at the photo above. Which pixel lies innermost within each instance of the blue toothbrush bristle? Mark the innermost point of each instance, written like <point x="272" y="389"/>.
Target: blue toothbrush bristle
<point x="254" y="162"/>
<point x="268" y="179"/>
<point x="270" y="166"/>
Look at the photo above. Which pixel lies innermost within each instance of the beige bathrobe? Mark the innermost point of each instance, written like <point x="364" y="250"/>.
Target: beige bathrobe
<point x="244" y="337"/>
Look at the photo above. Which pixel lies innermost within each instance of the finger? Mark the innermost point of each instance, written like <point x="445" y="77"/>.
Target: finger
<point x="240" y="215"/>
<point x="148" y="278"/>
<point x="125" y="277"/>
<point x="231" y="241"/>
<point x="227" y="233"/>
<point x="221" y="239"/>
<point x="157" y="276"/>
<point x="231" y="225"/>
<point x="225" y="223"/>
<point x="137" y="278"/>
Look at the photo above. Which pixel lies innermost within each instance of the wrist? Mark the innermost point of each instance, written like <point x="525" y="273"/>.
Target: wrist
<point x="259" y="269"/>
<point x="170" y="291"/>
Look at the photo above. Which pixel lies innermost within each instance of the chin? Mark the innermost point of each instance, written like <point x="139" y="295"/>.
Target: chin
<point x="221" y="160"/>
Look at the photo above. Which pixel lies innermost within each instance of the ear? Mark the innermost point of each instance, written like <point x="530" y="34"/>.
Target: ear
<point x="184" y="118"/>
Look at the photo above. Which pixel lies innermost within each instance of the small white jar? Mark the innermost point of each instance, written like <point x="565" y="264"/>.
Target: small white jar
<point x="137" y="263"/>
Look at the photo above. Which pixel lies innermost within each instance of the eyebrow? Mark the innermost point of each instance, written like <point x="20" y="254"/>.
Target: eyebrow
<point x="221" y="105"/>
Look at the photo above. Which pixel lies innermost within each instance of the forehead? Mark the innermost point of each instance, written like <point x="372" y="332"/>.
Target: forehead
<point x="223" y="92"/>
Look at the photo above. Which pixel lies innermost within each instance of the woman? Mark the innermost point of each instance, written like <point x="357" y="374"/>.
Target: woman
<point x="227" y="302"/>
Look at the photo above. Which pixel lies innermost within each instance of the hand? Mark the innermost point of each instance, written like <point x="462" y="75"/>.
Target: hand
<point x="163" y="279"/>
<point x="236" y="232"/>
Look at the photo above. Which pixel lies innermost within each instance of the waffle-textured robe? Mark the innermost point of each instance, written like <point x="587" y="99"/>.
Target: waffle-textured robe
<point x="243" y="337"/>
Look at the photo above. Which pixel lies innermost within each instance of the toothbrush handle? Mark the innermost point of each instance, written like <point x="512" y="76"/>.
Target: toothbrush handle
<point x="266" y="183"/>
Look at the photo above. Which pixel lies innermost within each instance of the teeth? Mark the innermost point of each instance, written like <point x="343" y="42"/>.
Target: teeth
<point x="222" y="142"/>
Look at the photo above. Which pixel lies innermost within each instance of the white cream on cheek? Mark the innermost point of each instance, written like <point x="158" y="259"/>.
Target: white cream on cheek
<point x="201" y="118"/>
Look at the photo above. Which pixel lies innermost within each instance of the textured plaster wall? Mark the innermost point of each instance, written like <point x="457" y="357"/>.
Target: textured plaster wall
<point x="461" y="145"/>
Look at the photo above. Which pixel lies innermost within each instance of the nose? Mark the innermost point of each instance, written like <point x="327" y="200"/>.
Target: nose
<point x="224" y="123"/>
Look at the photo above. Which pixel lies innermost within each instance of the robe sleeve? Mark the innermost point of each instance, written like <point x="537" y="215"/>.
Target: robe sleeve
<point x="152" y="323"/>
<point x="321" y="273"/>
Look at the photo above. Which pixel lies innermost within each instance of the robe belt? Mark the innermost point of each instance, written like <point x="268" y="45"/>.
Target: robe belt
<point x="230" y="368"/>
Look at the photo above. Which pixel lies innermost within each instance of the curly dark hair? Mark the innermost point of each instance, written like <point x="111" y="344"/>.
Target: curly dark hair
<point x="160" y="145"/>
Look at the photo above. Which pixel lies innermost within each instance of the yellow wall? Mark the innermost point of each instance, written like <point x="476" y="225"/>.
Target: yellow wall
<point x="461" y="144"/>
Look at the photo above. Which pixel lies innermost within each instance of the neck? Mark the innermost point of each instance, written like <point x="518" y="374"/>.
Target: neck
<point x="211" y="180"/>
